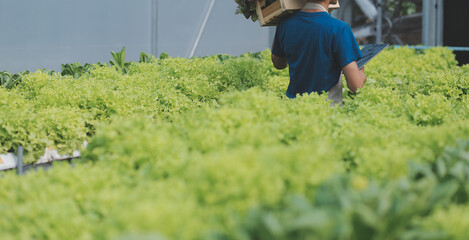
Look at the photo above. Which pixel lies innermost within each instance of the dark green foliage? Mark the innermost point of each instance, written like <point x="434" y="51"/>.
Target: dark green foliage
<point x="118" y="61"/>
<point x="247" y="8"/>
<point x="146" y="58"/>
<point x="9" y="80"/>
<point x="164" y="55"/>
<point x="76" y="70"/>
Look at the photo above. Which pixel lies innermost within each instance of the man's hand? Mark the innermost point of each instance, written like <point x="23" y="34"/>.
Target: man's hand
<point x="279" y="63"/>
<point x="355" y="77"/>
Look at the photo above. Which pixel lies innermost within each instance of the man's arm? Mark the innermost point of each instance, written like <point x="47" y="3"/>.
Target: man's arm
<point x="355" y="77"/>
<point x="279" y="63"/>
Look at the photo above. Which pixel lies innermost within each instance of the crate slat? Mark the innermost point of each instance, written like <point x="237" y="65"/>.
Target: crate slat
<point x="280" y="9"/>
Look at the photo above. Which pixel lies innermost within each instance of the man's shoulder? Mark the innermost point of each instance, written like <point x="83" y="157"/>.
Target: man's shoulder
<point x="289" y="20"/>
<point x="326" y="21"/>
<point x="336" y="27"/>
<point x="336" y="23"/>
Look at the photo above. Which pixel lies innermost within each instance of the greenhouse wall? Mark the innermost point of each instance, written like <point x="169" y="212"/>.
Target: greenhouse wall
<point x="46" y="33"/>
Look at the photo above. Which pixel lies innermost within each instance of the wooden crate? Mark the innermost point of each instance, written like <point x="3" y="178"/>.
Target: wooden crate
<point x="272" y="14"/>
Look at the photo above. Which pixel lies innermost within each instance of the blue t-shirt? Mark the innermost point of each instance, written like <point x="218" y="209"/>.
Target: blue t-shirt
<point x="316" y="47"/>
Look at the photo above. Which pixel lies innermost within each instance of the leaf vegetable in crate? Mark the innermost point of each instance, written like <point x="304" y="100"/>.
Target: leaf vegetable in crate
<point x="247" y="8"/>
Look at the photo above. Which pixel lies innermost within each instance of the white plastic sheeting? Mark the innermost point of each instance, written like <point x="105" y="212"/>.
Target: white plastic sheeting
<point x="46" y="33"/>
<point x="8" y="161"/>
<point x="180" y="22"/>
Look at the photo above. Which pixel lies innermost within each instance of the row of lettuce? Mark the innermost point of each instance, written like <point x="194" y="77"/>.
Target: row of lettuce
<point x="48" y="109"/>
<point x="210" y="148"/>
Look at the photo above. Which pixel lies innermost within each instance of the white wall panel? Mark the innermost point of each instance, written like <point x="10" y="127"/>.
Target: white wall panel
<point x="45" y="33"/>
<point x="38" y="34"/>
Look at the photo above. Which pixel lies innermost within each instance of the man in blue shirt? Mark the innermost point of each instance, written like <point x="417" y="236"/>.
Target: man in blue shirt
<point x="317" y="48"/>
